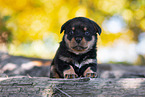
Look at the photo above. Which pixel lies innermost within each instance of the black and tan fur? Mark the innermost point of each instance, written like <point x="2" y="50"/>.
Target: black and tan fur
<point x="76" y="55"/>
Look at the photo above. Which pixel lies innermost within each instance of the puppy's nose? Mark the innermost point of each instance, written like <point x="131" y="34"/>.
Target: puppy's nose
<point x="78" y="39"/>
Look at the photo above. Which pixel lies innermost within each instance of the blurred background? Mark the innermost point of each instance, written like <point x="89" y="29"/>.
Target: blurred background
<point x="31" y="28"/>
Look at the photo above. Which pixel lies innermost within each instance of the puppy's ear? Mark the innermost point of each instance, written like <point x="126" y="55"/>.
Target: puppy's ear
<point x="97" y="27"/>
<point x="63" y="27"/>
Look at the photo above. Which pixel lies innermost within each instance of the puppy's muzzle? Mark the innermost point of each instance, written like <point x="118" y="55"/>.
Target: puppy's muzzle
<point x="79" y="48"/>
<point x="78" y="45"/>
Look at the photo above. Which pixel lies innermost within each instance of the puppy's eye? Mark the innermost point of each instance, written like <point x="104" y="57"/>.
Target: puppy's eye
<point x="71" y="32"/>
<point x="87" y="33"/>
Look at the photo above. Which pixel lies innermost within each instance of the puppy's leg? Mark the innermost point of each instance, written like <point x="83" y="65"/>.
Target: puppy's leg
<point x="53" y="72"/>
<point x="90" y="72"/>
<point x="69" y="73"/>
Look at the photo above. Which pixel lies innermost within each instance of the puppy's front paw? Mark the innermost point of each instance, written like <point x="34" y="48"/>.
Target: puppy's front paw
<point x="92" y="75"/>
<point x="70" y="76"/>
<point x="89" y="73"/>
<point x="70" y="73"/>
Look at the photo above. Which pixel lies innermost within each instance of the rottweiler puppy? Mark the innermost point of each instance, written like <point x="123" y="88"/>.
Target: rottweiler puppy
<point x="76" y="55"/>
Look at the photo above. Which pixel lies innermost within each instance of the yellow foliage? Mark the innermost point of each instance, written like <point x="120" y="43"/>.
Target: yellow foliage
<point x="109" y="38"/>
<point x="127" y="14"/>
<point x="139" y="14"/>
<point x="36" y="20"/>
<point x="142" y="24"/>
<point x="111" y="6"/>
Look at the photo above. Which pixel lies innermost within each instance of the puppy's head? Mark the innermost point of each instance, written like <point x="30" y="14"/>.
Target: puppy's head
<point x="80" y="34"/>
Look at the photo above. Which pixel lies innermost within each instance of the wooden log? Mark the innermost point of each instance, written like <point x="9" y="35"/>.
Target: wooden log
<point x="79" y="87"/>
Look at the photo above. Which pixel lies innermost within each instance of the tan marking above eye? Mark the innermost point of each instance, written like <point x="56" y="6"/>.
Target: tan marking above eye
<point x="85" y="28"/>
<point x="73" y="28"/>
